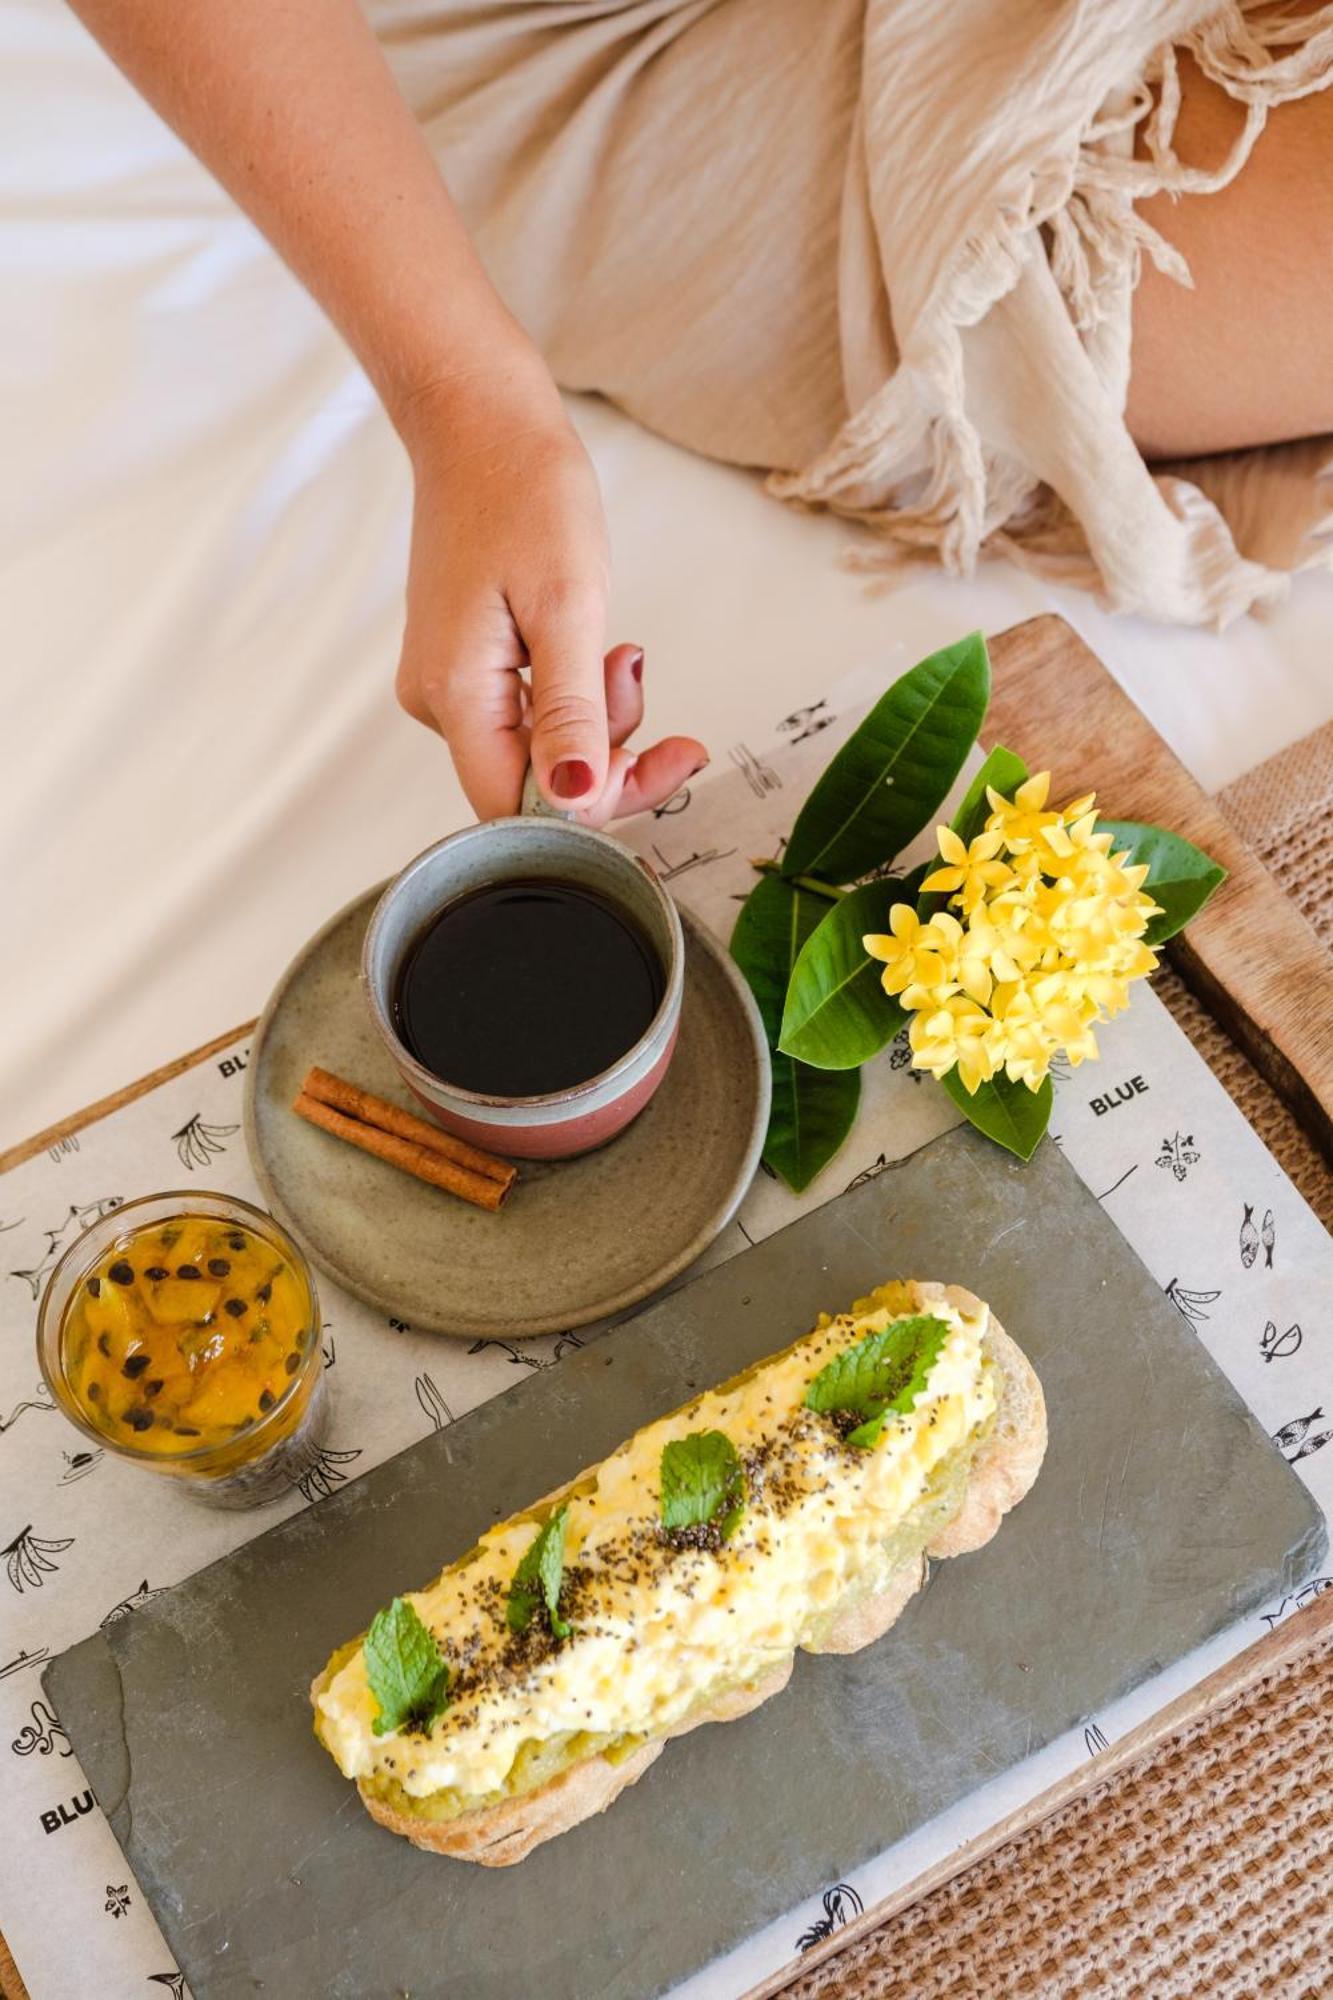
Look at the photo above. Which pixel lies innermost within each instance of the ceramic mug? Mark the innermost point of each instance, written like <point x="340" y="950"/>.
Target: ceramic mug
<point x="534" y="846"/>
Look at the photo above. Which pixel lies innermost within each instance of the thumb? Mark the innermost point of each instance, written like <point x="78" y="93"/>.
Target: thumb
<point x="565" y="639"/>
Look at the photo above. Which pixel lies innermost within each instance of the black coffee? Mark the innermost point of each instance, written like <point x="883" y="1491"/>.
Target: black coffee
<point x="526" y="987"/>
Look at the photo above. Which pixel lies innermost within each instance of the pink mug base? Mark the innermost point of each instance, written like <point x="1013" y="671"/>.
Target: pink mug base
<point x="581" y="1133"/>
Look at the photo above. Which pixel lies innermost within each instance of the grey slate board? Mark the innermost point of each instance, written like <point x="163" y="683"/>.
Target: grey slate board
<point x="1162" y="1514"/>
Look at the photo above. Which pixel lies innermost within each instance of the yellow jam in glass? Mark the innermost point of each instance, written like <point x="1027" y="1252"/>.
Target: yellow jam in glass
<point x="185" y="1334"/>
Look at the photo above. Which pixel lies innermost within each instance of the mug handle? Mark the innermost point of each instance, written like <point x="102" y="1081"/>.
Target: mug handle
<point x="534" y="802"/>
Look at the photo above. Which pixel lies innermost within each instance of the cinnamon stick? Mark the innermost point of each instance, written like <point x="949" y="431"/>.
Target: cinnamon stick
<point x="354" y="1102"/>
<point x="420" y="1161"/>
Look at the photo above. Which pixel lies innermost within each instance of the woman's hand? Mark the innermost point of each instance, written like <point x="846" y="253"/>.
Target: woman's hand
<point x="509" y="570"/>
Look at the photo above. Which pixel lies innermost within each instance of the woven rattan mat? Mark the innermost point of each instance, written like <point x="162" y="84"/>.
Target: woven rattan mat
<point x="1206" y="1868"/>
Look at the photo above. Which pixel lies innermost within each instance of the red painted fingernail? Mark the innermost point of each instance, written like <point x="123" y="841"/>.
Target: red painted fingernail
<point x="571" y="778"/>
<point x="636" y="665"/>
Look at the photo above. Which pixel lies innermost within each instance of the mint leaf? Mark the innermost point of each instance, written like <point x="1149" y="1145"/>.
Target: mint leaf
<point x="406" y="1669"/>
<point x="880" y="1375"/>
<point x="538" y="1578"/>
<point x="703" y="1489"/>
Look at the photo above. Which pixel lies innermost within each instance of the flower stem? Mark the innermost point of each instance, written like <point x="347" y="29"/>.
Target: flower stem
<point x="824" y="889"/>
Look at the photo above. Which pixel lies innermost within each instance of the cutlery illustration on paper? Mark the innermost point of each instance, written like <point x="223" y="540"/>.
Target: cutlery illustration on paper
<point x="1299" y="1599"/>
<point x="28" y="1559"/>
<point x="22" y="1660"/>
<point x="841" y="1904"/>
<point x="760" y="777"/>
<point x="78" y="1464"/>
<point x="41" y="1733"/>
<point x="74" y="1221"/>
<point x="39" y="1400"/>
<point x="197" y="1143"/>
<point x="432" y="1403"/>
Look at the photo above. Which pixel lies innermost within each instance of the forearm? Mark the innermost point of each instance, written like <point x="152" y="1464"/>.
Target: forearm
<point x="295" y="111"/>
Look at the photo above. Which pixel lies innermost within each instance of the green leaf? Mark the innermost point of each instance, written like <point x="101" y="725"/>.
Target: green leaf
<point x="406" y="1669"/>
<point x="837" y="1014"/>
<point x="1004" y="772"/>
<point x="538" y="1578"/>
<point x="1181" y="877"/>
<point x="703" y="1486"/>
<point x="891" y="774"/>
<point x="812" y="1110"/>
<point x="1011" y="1114"/>
<point x="879" y="1376"/>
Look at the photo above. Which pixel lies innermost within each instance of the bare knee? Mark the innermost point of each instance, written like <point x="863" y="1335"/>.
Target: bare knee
<point x="1246" y="357"/>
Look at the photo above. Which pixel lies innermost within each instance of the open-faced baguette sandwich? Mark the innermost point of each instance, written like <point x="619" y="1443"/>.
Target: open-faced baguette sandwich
<point x="793" y="1507"/>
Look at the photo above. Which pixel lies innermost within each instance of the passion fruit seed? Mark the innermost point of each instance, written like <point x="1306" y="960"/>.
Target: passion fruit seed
<point x="188" y="1271"/>
<point x="292" y="1363"/>
<point x="139" y="1420"/>
<point x="218" y="1267"/>
<point x="266" y="1399"/>
<point x="157" y="1272"/>
<point x="121" y="1273"/>
<point x="135" y="1365"/>
<point x="95" y="1287"/>
<point x="236" y="1307"/>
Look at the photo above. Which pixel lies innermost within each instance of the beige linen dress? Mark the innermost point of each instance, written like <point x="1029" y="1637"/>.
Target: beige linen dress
<point x="882" y="249"/>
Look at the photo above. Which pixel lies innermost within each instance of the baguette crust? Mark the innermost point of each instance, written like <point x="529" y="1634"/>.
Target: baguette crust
<point x="1002" y="1472"/>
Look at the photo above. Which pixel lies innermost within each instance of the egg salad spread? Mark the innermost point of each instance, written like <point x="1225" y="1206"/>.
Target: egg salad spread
<point x="695" y="1558"/>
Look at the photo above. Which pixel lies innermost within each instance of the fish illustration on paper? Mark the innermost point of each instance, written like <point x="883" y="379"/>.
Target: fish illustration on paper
<point x="175" y="1981"/>
<point x="75" y="1220"/>
<point x="28" y="1561"/>
<point x="1268" y="1237"/>
<point x="520" y="1354"/>
<point x="841" y="1904"/>
<point x="1299" y="1439"/>
<point x="677" y="803"/>
<point x="1249" y="1238"/>
<point x="134" y="1602"/>
<point x="804" y="722"/>
<point x="1275" y="1346"/>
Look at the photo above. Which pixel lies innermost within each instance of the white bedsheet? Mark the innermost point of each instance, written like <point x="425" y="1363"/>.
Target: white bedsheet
<point x="202" y="545"/>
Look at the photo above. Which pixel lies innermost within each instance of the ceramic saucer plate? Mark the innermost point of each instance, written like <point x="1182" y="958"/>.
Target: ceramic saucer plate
<point x="578" y="1239"/>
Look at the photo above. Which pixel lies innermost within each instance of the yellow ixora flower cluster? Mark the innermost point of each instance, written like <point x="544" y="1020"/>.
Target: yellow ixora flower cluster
<point x="1048" y="937"/>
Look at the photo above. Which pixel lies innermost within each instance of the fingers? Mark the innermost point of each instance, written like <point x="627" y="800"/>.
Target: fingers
<point x="563" y="630"/>
<point x="624" y="692"/>
<point x="475" y="700"/>
<point x="637" y="783"/>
